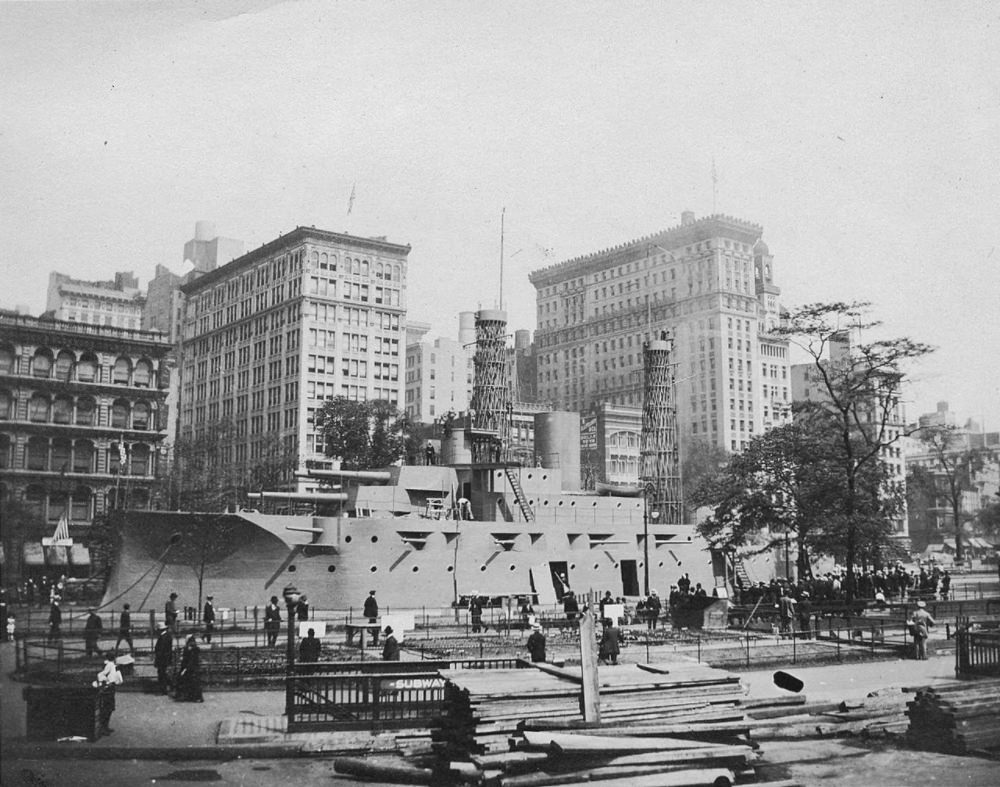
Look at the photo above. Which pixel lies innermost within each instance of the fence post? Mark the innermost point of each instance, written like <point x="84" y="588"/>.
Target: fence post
<point x="239" y="666"/>
<point x="838" y="643"/>
<point x="748" y="649"/>
<point x="255" y="633"/>
<point x="794" y="647"/>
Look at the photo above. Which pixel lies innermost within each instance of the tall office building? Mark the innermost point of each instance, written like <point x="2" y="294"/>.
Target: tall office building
<point x="710" y="284"/>
<point x="269" y="336"/>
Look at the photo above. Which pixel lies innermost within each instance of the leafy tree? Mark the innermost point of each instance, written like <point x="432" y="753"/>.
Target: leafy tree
<point x="859" y="389"/>
<point x="953" y="473"/>
<point x="19" y="523"/>
<point x="362" y="434"/>
<point x="988" y="519"/>
<point x="701" y="463"/>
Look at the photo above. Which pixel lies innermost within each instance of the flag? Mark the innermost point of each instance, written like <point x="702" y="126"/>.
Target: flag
<point x="62" y="530"/>
<point x="350" y="202"/>
<point x="122" y="456"/>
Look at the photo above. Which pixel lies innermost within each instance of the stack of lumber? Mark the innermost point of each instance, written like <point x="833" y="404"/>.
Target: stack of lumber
<point x="674" y="724"/>
<point x="794" y="717"/>
<point x="957" y="717"/>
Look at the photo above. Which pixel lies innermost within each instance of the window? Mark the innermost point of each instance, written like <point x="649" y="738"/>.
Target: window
<point x="41" y="365"/>
<point x="38" y="409"/>
<point x="119" y="415"/>
<point x="121" y="371"/>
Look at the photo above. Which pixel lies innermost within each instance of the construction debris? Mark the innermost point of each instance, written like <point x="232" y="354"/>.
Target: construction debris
<point x="956" y="718"/>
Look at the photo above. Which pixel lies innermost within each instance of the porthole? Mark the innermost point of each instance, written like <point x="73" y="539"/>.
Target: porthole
<point x="597" y="566"/>
<point x="572" y="503"/>
<point x="614" y="565"/>
<point x="545" y="502"/>
<point x="450" y="569"/>
<point x="529" y="476"/>
<point x="373" y="569"/>
<point x="415" y="569"/>
<point x="572" y="566"/>
<point x="545" y="476"/>
<point x="374" y="539"/>
<point x="594" y="504"/>
<point x="513" y="567"/>
<point x="292" y="569"/>
<point x="331" y="569"/>
<point x="660" y="564"/>
<point x="347" y="539"/>
<point x="560" y="502"/>
<point x="618" y="505"/>
<point x="482" y="568"/>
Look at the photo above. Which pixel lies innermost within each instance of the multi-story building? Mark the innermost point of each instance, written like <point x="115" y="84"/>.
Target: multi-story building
<point x="117" y="303"/>
<point x="83" y="419"/>
<point x="710" y="283"/>
<point x="269" y="336"/>
<point x="164" y="299"/>
<point x="437" y="378"/>
<point x="610" y="443"/>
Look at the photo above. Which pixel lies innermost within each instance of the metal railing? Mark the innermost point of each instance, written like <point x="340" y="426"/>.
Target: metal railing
<point x="977" y="653"/>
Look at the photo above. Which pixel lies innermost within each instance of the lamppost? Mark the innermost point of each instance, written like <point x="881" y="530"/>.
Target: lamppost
<point x="292" y="597"/>
<point x="646" y="514"/>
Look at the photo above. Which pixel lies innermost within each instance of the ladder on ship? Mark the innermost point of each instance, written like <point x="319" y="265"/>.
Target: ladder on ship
<point x="522" y="501"/>
<point x="740" y="571"/>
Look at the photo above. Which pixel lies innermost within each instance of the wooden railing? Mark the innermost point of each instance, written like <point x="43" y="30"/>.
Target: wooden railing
<point x="977" y="653"/>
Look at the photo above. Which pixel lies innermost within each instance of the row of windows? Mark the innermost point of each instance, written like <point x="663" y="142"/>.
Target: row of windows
<point x="66" y="367"/>
<point x="81" y="411"/>
<point x="62" y="455"/>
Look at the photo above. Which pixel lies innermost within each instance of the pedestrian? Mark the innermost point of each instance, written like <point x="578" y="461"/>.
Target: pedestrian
<point x="609" y="648"/>
<point x="302" y="609"/>
<point x="786" y="611"/>
<point x="9" y="628"/>
<point x="91" y="632"/>
<point x="390" y="650"/>
<point x="429" y="453"/>
<point x="272" y="621"/>
<point x="476" y="612"/>
<point x="208" y="618"/>
<point x="189" y="676"/>
<point x="125" y="628"/>
<point x="804" y="610"/>
<point x="163" y="657"/>
<point x="170" y="613"/>
<point x="945" y="585"/>
<point x="571" y="607"/>
<point x="920" y="625"/>
<point x="371" y="612"/>
<point x="107" y="683"/>
<point x="309" y="650"/>
<point x="55" y="621"/>
<point x="536" y="643"/>
<point x="652" y="609"/>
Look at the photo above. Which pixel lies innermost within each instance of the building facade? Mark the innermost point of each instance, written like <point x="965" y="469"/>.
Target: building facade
<point x="438" y="379"/>
<point x="83" y="420"/>
<point x="269" y="336"/>
<point x="117" y="304"/>
<point x="710" y="284"/>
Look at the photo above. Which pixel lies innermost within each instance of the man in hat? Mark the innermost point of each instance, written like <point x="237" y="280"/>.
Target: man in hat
<point x="91" y="631"/>
<point x="804" y="610"/>
<point x="920" y="625"/>
<point x="208" y="618"/>
<point x="476" y="612"/>
<point x="536" y="643"/>
<point x="163" y="657"/>
<point x="55" y="621"/>
<point x="125" y="628"/>
<point x="652" y="609"/>
<point x="371" y="612"/>
<point x="390" y="649"/>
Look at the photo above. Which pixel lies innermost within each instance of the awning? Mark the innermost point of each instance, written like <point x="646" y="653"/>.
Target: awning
<point x="33" y="554"/>
<point x="79" y="555"/>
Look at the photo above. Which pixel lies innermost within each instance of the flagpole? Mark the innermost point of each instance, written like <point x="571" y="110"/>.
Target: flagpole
<point x="503" y="212"/>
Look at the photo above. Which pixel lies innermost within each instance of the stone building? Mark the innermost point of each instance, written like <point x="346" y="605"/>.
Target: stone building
<point x="83" y="418"/>
<point x="269" y="336"/>
<point x="117" y="303"/>
<point x="710" y="284"/>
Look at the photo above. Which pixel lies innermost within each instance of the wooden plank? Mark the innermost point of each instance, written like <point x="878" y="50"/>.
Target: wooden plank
<point x="579" y="741"/>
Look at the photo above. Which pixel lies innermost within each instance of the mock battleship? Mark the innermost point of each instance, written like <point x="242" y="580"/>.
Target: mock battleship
<point x="429" y="536"/>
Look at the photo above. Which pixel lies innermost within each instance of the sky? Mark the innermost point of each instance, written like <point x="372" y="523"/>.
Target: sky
<point x="863" y="137"/>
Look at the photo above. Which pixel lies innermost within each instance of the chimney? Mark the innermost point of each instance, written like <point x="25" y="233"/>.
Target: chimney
<point x="687" y="217"/>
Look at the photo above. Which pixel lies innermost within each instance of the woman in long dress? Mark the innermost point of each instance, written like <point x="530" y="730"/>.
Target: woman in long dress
<point x="189" y="677"/>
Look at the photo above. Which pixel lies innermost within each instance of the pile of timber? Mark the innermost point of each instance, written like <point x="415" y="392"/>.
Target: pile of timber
<point x="957" y="717"/>
<point x="675" y="724"/>
<point x="787" y="718"/>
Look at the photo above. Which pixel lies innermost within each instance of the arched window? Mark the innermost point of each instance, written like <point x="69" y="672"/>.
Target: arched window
<point x="379" y="270"/>
<point x="139" y="459"/>
<point x="62" y="410"/>
<point x="86" y="411"/>
<point x="83" y="457"/>
<point x="36" y="455"/>
<point x="62" y="455"/>
<point x="64" y="366"/>
<point x="6" y="406"/>
<point x="86" y="370"/>
<point x="140" y="416"/>
<point x="41" y="364"/>
<point x="7" y="361"/>
<point x="58" y="504"/>
<point x="143" y="374"/>
<point x="5" y="452"/>
<point x="38" y="408"/>
<point x="122" y="371"/>
<point x="364" y="267"/>
<point x="82" y="510"/>
<point x="119" y="414"/>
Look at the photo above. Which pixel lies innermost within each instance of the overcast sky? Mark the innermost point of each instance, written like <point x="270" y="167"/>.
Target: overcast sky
<point x="864" y="138"/>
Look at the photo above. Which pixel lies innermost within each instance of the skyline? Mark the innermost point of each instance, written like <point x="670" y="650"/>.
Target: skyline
<point x="865" y="141"/>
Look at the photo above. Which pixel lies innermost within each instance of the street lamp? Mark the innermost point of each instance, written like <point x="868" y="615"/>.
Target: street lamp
<point x="645" y="540"/>
<point x="292" y="597"/>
